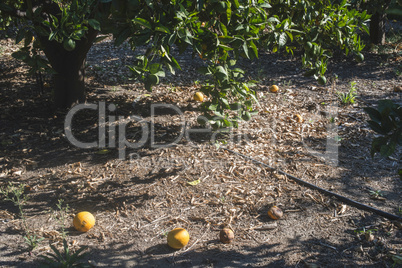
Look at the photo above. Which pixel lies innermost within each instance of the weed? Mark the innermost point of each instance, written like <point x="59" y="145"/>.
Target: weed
<point x="61" y="216"/>
<point x="16" y="195"/>
<point x="366" y="231"/>
<point x="65" y="258"/>
<point x="172" y="88"/>
<point x="376" y="194"/>
<point x="165" y="233"/>
<point x="398" y="71"/>
<point x="397" y="259"/>
<point x="32" y="241"/>
<point x="349" y="97"/>
<point x="288" y="83"/>
<point x="337" y="138"/>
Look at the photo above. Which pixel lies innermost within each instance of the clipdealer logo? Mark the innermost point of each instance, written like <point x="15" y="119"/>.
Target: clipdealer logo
<point x="112" y="131"/>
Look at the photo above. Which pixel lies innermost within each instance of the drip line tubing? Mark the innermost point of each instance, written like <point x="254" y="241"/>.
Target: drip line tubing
<point x="322" y="190"/>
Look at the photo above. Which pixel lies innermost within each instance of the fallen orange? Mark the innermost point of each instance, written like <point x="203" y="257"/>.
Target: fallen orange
<point x="226" y="235"/>
<point x="275" y="213"/>
<point x="198" y="96"/>
<point x="274" y="88"/>
<point x="178" y="238"/>
<point x="83" y="221"/>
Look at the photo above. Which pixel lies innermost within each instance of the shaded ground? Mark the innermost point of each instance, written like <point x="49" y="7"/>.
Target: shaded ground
<point x="138" y="199"/>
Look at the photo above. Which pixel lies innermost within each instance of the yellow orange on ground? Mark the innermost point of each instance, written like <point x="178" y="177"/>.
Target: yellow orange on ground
<point x="274" y="88"/>
<point x="84" y="221"/>
<point x="178" y="238"/>
<point x="275" y="213"/>
<point x="198" y="96"/>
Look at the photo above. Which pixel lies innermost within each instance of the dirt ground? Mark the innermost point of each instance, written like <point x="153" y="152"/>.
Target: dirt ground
<point x="140" y="196"/>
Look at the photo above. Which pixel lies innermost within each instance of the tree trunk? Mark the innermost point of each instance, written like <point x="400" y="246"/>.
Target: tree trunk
<point x="69" y="86"/>
<point x="377" y="23"/>
<point x="377" y="28"/>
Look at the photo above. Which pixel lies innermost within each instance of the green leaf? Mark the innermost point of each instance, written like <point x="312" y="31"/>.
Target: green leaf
<point x="154" y="68"/>
<point x="150" y="81"/>
<point x="376" y="127"/>
<point x="384" y="106"/>
<point x="172" y="39"/>
<point x="213" y="107"/>
<point x="224" y="29"/>
<point x="20" y="35"/>
<point x="20" y="55"/>
<point x="282" y="39"/>
<point x="142" y="22"/>
<point x="163" y="29"/>
<point x="204" y="70"/>
<point x="221" y="73"/>
<point x="100" y="38"/>
<point x="374" y="114"/>
<point x="388" y="149"/>
<point x="94" y="24"/>
<point x="245" y="49"/>
<point x="122" y="36"/>
<point x="254" y="48"/>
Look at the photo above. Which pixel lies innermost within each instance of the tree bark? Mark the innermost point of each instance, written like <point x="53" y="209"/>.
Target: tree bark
<point x="377" y="23"/>
<point x="69" y="84"/>
<point x="377" y="28"/>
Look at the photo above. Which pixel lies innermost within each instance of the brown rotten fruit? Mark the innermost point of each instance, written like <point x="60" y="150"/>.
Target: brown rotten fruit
<point x="226" y="236"/>
<point x="275" y="213"/>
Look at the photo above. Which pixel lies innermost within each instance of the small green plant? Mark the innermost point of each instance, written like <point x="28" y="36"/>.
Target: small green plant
<point x="165" y="233"/>
<point x="32" y="241"/>
<point x="397" y="259"/>
<point x="16" y="195"/>
<point x="349" y="97"/>
<point x="398" y="71"/>
<point x="365" y="231"/>
<point x="172" y="88"/>
<point x="61" y="215"/>
<point x="64" y="258"/>
<point x="399" y="211"/>
<point x="376" y="194"/>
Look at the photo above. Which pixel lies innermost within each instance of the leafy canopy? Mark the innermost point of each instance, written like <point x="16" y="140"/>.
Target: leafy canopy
<point x="220" y="32"/>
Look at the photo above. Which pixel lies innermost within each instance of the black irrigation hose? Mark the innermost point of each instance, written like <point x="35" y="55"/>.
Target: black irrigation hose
<point x="315" y="187"/>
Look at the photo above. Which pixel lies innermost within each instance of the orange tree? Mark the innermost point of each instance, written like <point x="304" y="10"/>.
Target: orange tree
<point x="220" y="32"/>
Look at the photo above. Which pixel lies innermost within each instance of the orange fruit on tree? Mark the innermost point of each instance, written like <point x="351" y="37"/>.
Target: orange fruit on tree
<point x="273" y="88"/>
<point x="83" y="221"/>
<point x="198" y="96"/>
<point x="178" y="238"/>
<point x="275" y="213"/>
